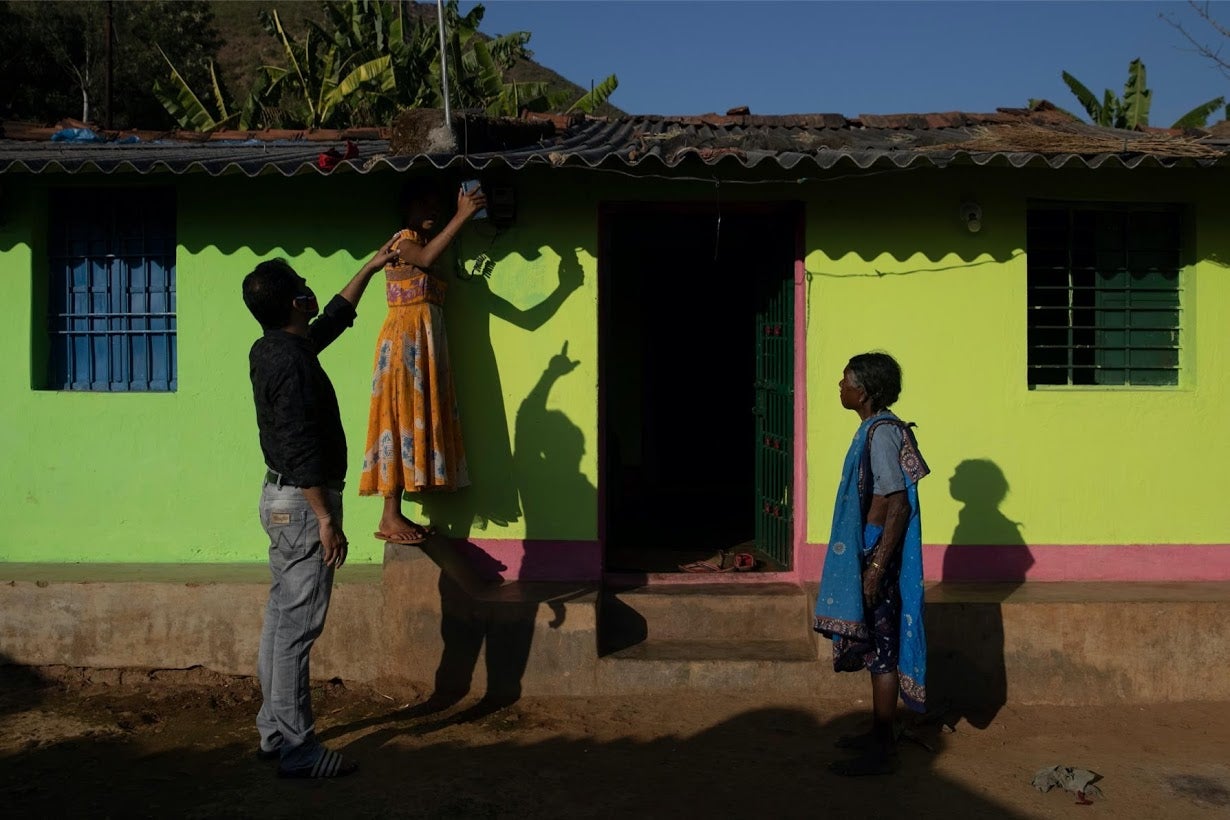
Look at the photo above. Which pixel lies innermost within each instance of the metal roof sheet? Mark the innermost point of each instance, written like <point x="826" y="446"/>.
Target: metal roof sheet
<point x="809" y="142"/>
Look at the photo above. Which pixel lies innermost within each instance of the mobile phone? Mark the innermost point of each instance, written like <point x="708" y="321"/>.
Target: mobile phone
<point x="469" y="186"/>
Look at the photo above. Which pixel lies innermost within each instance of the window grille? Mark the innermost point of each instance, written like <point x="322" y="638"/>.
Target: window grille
<point x="1104" y="295"/>
<point x="112" y="290"/>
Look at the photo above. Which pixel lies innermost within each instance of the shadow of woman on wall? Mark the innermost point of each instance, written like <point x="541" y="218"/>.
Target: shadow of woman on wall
<point x="986" y="560"/>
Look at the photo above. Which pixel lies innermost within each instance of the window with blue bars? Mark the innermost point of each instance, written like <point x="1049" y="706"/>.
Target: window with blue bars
<point x="112" y="289"/>
<point x="1104" y="294"/>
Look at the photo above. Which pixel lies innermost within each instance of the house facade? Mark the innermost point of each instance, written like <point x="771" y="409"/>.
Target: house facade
<point x="649" y="373"/>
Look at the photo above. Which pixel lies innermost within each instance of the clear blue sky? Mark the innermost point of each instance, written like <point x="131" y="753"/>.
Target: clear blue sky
<point x="695" y="56"/>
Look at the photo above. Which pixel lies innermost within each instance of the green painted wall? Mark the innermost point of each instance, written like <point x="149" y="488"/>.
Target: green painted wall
<point x="175" y="477"/>
<point x="1083" y="466"/>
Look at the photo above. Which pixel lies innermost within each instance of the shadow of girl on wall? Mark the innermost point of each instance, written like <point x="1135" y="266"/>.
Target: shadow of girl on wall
<point x="494" y="494"/>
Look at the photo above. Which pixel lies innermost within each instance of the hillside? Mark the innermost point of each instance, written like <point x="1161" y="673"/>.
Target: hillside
<point x="246" y="46"/>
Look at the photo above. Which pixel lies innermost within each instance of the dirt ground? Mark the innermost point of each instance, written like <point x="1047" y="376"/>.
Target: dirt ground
<point x="162" y="744"/>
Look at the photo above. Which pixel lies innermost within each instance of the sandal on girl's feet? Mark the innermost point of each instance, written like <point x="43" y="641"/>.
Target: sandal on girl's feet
<point x="414" y="536"/>
<point x="403" y="538"/>
<point x="329" y="764"/>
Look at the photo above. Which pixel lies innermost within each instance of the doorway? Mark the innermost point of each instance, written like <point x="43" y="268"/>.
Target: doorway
<point x="697" y="357"/>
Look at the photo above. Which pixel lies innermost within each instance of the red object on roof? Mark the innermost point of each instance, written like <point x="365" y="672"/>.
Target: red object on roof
<point x="328" y="160"/>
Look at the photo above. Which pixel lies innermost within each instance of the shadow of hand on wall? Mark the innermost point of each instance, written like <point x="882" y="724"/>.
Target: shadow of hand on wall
<point x="967" y="676"/>
<point x="549" y="449"/>
<point x="493" y="496"/>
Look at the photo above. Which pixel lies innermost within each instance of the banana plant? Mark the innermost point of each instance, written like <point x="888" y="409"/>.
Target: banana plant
<point x="517" y="97"/>
<point x="368" y="60"/>
<point x="591" y="102"/>
<point x="1132" y="109"/>
<point x="192" y="113"/>
<point x="476" y="66"/>
<point x="317" y="81"/>
<point x="182" y="103"/>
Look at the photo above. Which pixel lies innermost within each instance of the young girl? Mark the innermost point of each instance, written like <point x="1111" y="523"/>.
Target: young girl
<point x="413" y="430"/>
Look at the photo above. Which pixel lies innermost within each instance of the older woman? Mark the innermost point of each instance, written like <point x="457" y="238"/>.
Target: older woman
<point x="871" y="596"/>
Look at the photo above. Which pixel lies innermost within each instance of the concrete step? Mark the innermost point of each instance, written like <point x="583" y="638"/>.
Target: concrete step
<point x="698" y="612"/>
<point x="763" y="666"/>
<point x="1033" y="643"/>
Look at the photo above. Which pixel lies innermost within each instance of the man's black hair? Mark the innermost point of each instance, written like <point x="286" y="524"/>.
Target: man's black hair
<point x="269" y="290"/>
<point x="879" y="375"/>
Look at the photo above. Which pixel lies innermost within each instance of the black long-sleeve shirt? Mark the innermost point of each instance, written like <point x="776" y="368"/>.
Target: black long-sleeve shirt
<point x="296" y="409"/>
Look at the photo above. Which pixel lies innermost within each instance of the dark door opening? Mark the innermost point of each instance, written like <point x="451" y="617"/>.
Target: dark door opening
<point x="697" y="347"/>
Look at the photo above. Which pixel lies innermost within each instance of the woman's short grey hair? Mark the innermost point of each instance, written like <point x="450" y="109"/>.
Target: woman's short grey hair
<point x="879" y="375"/>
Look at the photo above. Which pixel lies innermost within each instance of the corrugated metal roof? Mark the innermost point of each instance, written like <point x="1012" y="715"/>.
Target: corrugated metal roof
<point x="1009" y="137"/>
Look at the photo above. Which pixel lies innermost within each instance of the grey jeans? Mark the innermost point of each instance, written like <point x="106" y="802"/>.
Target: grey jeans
<point x="294" y="619"/>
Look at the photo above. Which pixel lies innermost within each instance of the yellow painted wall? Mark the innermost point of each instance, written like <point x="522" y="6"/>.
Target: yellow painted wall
<point x="891" y="268"/>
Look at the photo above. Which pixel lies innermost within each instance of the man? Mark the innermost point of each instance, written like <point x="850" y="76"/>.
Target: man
<point x="301" y="502"/>
<point x="871" y="596"/>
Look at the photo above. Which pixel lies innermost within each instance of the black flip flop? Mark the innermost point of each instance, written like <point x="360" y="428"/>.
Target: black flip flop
<point x="329" y="764"/>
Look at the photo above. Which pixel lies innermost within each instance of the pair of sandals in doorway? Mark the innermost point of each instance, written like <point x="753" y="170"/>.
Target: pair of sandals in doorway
<point x="723" y="561"/>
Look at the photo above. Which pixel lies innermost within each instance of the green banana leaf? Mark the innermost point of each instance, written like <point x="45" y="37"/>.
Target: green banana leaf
<point x="183" y="104"/>
<point x="1137" y="97"/>
<point x="328" y="82"/>
<point x="1112" y="111"/>
<point x="591" y="101"/>
<point x="377" y="73"/>
<point x="1085" y="97"/>
<point x="253" y="105"/>
<point x="488" y="77"/>
<point x="1198" y="117"/>
<point x="293" y="61"/>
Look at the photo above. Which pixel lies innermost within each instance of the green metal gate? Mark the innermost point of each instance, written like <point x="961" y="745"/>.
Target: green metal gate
<point x="775" y="417"/>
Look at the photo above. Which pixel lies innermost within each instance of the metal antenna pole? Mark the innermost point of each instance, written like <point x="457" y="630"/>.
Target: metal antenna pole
<point x="107" y="32"/>
<point x="448" y="120"/>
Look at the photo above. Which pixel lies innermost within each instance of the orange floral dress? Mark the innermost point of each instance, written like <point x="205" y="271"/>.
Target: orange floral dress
<point x="413" y="429"/>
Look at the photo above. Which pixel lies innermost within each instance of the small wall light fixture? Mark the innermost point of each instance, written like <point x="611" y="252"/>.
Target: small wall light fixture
<point x="971" y="216"/>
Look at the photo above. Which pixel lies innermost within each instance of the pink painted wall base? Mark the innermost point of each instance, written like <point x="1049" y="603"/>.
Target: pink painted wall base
<point x="1058" y="562"/>
<point x="533" y="559"/>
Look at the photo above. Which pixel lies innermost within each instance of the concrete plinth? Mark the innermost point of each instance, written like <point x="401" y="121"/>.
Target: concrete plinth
<point x="423" y="620"/>
<point x="1078" y="643"/>
<point x="169" y="616"/>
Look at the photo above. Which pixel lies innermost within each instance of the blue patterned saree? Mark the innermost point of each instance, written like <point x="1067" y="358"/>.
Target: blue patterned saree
<point x="898" y="619"/>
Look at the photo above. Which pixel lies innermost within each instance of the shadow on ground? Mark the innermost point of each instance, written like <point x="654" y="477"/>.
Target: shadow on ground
<point x="191" y="755"/>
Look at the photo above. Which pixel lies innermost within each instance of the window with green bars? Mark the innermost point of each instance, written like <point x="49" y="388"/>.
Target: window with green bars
<point x="1104" y="294"/>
